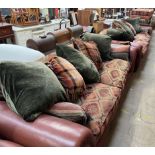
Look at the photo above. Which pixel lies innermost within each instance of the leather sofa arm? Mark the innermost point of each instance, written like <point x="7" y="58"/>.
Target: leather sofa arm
<point x="44" y="131"/>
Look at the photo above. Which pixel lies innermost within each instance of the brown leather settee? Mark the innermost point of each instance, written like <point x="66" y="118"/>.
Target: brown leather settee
<point x="48" y="130"/>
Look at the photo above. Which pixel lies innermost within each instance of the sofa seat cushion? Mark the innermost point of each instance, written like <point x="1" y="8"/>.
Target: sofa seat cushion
<point x="147" y="29"/>
<point x="97" y="101"/>
<point x="143" y="39"/>
<point x="117" y="64"/>
<point x="115" y="73"/>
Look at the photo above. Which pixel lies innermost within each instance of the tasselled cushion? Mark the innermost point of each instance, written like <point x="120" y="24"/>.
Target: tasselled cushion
<point x="90" y="50"/>
<point x="70" y="78"/>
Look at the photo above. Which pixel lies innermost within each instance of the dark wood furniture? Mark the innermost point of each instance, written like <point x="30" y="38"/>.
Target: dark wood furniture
<point x="6" y="32"/>
<point x="84" y="17"/>
<point x="0" y="17"/>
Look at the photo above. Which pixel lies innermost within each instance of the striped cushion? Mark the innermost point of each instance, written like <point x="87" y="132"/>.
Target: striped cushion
<point x="90" y="50"/>
<point x="69" y="111"/>
<point x="131" y="27"/>
<point x="69" y="77"/>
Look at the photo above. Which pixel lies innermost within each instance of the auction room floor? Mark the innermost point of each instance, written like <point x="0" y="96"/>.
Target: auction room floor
<point x="135" y="123"/>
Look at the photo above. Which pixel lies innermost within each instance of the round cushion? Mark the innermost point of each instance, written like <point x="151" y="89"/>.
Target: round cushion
<point x="9" y="52"/>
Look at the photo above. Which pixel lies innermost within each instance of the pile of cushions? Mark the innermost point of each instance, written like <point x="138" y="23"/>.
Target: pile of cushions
<point x="61" y="87"/>
<point x="124" y="30"/>
<point x="30" y="88"/>
<point x="135" y="22"/>
<point x="128" y="33"/>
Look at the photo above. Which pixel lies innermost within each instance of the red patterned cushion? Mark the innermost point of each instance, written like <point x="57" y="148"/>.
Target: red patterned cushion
<point x="113" y="77"/>
<point x="97" y="101"/>
<point x="69" y="111"/>
<point x="69" y="77"/>
<point x="115" y="72"/>
<point x="90" y="50"/>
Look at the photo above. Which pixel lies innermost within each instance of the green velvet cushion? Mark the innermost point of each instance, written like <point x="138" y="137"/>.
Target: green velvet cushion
<point x="128" y="34"/>
<point x="29" y="88"/>
<point x="135" y="22"/>
<point x="116" y="34"/>
<point x="83" y="64"/>
<point x="103" y="43"/>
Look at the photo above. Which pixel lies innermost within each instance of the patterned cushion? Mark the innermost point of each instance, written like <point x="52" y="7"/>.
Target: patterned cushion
<point x="118" y="64"/>
<point x="147" y="29"/>
<point x="83" y="64"/>
<point x="69" y="111"/>
<point x="143" y="39"/>
<point x="103" y="43"/>
<point x="114" y="73"/>
<point x="113" y="77"/>
<point x="144" y="44"/>
<point x="97" y="101"/>
<point x="69" y="77"/>
<point x="90" y="50"/>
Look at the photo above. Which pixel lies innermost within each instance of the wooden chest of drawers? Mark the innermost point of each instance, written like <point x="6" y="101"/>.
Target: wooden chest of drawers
<point x="6" y="32"/>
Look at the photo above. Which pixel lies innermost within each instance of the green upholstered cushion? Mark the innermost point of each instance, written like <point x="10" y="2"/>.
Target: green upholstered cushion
<point x="83" y="64"/>
<point x="116" y="34"/>
<point x="135" y="22"/>
<point x="29" y="88"/>
<point x="103" y="43"/>
<point x="127" y="31"/>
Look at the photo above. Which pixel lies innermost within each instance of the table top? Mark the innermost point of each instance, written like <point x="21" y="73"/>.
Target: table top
<point x="4" y="24"/>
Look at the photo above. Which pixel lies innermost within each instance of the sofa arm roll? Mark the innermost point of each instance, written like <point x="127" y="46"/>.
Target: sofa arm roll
<point x="44" y="131"/>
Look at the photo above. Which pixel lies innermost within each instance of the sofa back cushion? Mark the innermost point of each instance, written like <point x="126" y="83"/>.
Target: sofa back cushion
<point x="90" y="50"/>
<point x="103" y="43"/>
<point x="83" y="64"/>
<point x="70" y="78"/>
<point x="29" y="88"/>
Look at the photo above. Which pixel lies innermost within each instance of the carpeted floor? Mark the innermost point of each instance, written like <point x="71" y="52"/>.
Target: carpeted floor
<point x="135" y="122"/>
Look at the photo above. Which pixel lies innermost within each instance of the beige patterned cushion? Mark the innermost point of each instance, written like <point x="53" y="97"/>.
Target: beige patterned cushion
<point x="115" y="72"/>
<point x="117" y="63"/>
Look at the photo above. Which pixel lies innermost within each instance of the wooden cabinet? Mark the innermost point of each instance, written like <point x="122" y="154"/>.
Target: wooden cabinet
<point x="84" y="17"/>
<point x="22" y="34"/>
<point x="6" y="32"/>
<point x="98" y="26"/>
